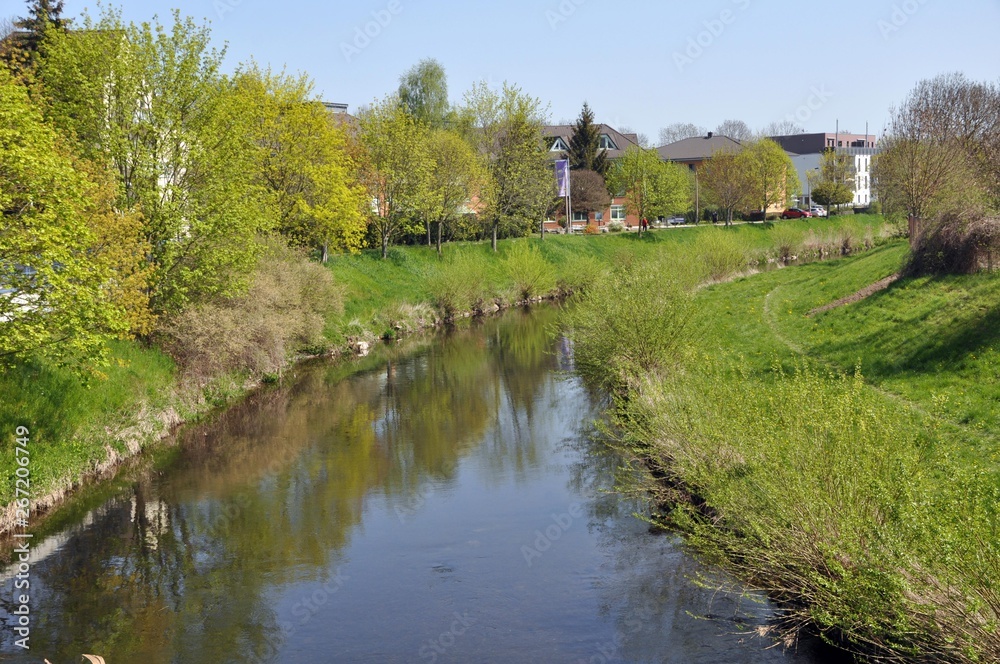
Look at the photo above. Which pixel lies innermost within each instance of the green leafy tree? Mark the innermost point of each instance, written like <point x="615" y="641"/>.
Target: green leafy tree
<point x="726" y="182"/>
<point x="28" y="32"/>
<point x="830" y="193"/>
<point x="423" y="92"/>
<point x="772" y="179"/>
<point x="651" y="186"/>
<point x="149" y="102"/>
<point x="457" y="177"/>
<point x="396" y="168"/>
<point x="833" y="184"/>
<point x="309" y="179"/>
<point x="505" y="129"/>
<point x="58" y="279"/>
<point x="585" y="152"/>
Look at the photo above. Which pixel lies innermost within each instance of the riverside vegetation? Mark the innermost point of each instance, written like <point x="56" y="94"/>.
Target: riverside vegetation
<point x="845" y="462"/>
<point x="295" y="309"/>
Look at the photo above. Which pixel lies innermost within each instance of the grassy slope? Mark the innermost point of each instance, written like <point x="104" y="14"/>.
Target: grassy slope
<point x="901" y="475"/>
<point x="68" y="421"/>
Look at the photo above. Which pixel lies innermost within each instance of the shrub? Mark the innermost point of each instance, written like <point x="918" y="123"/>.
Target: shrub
<point x="580" y="272"/>
<point x="955" y="244"/>
<point x="459" y="285"/>
<point x="283" y="312"/>
<point x="615" y="227"/>
<point x="720" y="253"/>
<point x="630" y="323"/>
<point x="787" y="242"/>
<point x="591" y="229"/>
<point x="532" y="276"/>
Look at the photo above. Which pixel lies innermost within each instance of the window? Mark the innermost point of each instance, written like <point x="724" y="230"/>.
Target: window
<point x="583" y="217"/>
<point x="618" y="213"/>
<point x="559" y="146"/>
<point x="607" y="143"/>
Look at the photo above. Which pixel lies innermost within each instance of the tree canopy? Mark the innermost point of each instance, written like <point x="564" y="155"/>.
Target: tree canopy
<point x="505" y="128"/>
<point x="67" y="257"/>
<point x="396" y="166"/>
<point x="423" y="92"/>
<point x="651" y="186"/>
<point x="149" y="102"/>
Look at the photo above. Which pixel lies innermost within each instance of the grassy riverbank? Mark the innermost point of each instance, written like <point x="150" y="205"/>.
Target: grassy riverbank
<point x="845" y="462"/>
<point x="77" y="429"/>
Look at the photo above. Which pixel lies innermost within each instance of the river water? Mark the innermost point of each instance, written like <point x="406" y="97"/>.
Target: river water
<point x="449" y="503"/>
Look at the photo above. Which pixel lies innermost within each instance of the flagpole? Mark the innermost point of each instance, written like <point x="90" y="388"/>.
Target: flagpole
<point x="569" y="201"/>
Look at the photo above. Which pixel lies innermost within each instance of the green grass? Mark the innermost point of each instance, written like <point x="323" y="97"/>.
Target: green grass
<point x="846" y="462"/>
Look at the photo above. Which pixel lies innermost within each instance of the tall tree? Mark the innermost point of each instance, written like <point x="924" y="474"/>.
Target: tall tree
<point x="736" y="130"/>
<point x="456" y="178"/>
<point x="726" y="180"/>
<point x="149" y="102"/>
<point x="678" y="131"/>
<point x="833" y="184"/>
<point x="66" y="257"/>
<point x="585" y="151"/>
<point x="772" y="176"/>
<point x="423" y="92"/>
<point x="942" y="148"/>
<point x="43" y="15"/>
<point x="652" y="187"/>
<point x="505" y="128"/>
<point x="309" y="182"/>
<point x="395" y="167"/>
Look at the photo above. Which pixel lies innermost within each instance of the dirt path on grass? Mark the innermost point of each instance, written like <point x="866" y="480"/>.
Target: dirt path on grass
<point x="865" y="292"/>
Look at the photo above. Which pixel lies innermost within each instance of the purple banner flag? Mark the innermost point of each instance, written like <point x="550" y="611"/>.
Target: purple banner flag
<point x="562" y="177"/>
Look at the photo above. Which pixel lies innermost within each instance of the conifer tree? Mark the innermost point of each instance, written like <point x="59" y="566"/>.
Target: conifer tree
<point x="585" y="152"/>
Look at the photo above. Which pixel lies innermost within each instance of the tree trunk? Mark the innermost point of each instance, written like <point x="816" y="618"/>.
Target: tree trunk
<point x="385" y="245"/>
<point x="496" y="224"/>
<point x="428" y="233"/>
<point x="440" y="224"/>
<point x="326" y="253"/>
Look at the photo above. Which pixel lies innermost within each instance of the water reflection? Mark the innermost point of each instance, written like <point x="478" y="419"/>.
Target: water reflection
<point x="382" y="517"/>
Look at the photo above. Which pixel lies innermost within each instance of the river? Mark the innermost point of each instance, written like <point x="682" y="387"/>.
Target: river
<point x="445" y="503"/>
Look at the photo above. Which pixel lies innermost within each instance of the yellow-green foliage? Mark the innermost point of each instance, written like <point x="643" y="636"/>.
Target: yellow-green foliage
<point x="720" y="253"/>
<point x="822" y="490"/>
<point x="531" y="275"/>
<point x="631" y="322"/>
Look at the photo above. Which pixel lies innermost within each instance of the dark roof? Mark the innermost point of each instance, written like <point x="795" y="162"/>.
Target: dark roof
<point x="565" y="132"/>
<point x="698" y="148"/>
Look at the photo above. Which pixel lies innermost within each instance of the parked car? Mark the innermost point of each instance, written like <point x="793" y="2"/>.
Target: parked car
<point x="676" y="221"/>
<point x="757" y="215"/>
<point x="817" y="211"/>
<point x="795" y="213"/>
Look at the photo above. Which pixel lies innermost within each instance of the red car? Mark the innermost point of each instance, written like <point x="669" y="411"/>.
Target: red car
<point x="795" y="213"/>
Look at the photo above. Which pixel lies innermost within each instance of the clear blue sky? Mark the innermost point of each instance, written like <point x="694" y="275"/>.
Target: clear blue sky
<point x="639" y="64"/>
